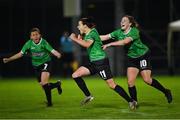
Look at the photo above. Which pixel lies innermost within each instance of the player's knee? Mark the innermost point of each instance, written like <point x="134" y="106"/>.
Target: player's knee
<point x="111" y="84"/>
<point x="147" y="81"/>
<point x="43" y="83"/>
<point x="131" y="83"/>
<point x="75" y="75"/>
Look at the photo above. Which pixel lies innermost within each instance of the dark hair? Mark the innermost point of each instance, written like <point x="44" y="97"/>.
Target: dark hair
<point x="132" y="21"/>
<point x="35" y="30"/>
<point x="89" y="21"/>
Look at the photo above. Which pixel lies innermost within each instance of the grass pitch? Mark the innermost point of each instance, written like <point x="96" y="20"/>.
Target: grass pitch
<point x="23" y="98"/>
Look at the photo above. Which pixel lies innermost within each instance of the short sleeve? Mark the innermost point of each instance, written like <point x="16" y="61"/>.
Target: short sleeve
<point x="90" y="36"/>
<point x="114" y="34"/>
<point x="47" y="46"/>
<point x="134" y="34"/>
<point x="26" y="47"/>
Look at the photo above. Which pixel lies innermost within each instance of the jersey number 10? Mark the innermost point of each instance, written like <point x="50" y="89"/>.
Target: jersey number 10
<point x="143" y="63"/>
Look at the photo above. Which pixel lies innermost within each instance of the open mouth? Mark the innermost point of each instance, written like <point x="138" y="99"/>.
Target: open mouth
<point x="36" y="40"/>
<point x="122" y="25"/>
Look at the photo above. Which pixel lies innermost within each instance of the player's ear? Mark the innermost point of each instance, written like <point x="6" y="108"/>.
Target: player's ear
<point x="30" y="36"/>
<point x="85" y="26"/>
<point x="131" y="24"/>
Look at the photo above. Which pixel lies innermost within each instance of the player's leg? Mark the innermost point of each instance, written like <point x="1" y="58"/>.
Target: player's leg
<point x="132" y="73"/>
<point x="80" y="72"/>
<point x="42" y="75"/>
<point x="46" y="67"/>
<point x="118" y="89"/>
<point x="46" y="87"/>
<point x="56" y="85"/>
<point x="146" y="75"/>
<point x="104" y="71"/>
<point x="145" y="70"/>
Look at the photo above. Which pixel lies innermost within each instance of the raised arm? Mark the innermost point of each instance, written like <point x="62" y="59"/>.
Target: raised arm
<point x="14" y="57"/>
<point x="81" y="42"/>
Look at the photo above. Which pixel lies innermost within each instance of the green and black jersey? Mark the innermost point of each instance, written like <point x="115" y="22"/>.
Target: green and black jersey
<point x="95" y="51"/>
<point x="40" y="53"/>
<point x="136" y="48"/>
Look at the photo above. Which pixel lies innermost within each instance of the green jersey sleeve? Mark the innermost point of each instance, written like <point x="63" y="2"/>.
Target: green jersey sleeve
<point x="89" y="37"/>
<point x="115" y="34"/>
<point x="26" y="47"/>
<point x="95" y="51"/>
<point x="134" y="34"/>
<point x="47" y="46"/>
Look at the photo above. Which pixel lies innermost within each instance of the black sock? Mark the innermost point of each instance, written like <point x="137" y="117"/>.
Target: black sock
<point x="133" y="93"/>
<point x="47" y="92"/>
<point x="122" y="93"/>
<point x="53" y="85"/>
<point x="158" y="86"/>
<point x="82" y="85"/>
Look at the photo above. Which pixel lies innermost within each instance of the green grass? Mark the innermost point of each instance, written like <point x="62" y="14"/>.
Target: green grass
<point x="24" y="98"/>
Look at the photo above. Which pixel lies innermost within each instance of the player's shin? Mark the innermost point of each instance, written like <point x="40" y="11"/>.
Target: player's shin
<point x="48" y="94"/>
<point x="158" y="86"/>
<point x="82" y="85"/>
<point x="133" y="92"/>
<point x="122" y="93"/>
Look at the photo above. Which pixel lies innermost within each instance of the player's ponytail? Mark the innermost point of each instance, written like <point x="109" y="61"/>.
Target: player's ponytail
<point x="132" y="21"/>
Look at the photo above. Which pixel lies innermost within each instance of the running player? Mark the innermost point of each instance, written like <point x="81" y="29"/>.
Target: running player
<point x="138" y="56"/>
<point x="39" y="50"/>
<point x="99" y="62"/>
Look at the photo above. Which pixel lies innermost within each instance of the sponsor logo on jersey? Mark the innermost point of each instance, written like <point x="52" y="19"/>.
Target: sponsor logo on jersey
<point x="37" y="54"/>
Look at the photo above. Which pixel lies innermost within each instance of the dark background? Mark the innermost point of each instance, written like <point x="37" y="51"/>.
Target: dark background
<point x="19" y="16"/>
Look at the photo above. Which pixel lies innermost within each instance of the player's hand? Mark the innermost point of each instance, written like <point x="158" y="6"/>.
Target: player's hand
<point x="59" y="56"/>
<point x="6" y="60"/>
<point x="56" y="53"/>
<point x="106" y="46"/>
<point x="73" y="36"/>
<point x="79" y="37"/>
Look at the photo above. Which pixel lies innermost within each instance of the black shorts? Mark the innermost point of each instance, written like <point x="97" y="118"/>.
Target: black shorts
<point x="101" y="67"/>
<point x="142" y="63"/>
<point x="45" y="67"/>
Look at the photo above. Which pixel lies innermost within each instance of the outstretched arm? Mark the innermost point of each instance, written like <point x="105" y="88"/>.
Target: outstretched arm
<point x="81" y="42"/>
<point x="56" y="53"/>
<point x="105" y="37"/>
<point x="14" y="57"/>
<point x="118" y="43"/>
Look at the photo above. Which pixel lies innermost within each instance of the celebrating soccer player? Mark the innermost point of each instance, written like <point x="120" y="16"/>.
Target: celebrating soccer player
<point x="138" y="55"/>
<point x="99" y="62"/>
<point x="39" y="50"/>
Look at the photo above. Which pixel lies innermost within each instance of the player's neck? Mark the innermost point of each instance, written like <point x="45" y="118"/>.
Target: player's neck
<point x="87" y="31"/>
<point x="127" y="30"/>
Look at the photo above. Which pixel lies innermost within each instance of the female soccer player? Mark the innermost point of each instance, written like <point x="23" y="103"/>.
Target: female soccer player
<point x="99" y="62"/>
<point x="138" y="56"/>
<point x="39" y="50"/>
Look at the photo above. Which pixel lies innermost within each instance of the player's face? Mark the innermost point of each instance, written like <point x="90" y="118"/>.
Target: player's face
<point x="81" y="27"/>
<point x="35" y="36"/>
<point x="125" y="23"/>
